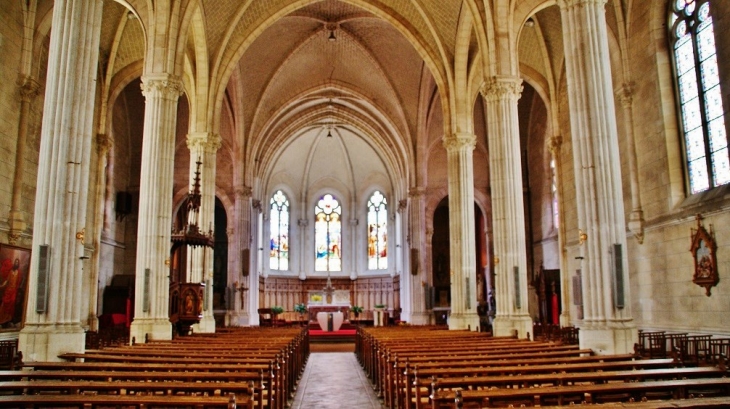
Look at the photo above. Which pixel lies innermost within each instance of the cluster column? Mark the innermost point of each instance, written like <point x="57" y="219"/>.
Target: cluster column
<point x="508" y="209"/>
<point x="203" y="147"/>
<point x="151" y="310"/>
<point x="415" y="279"/>
<point x="53" y="310"/>
<point x="459" y="151"/>
<point x="607" y="326"/>
<point x="240" y="250"/>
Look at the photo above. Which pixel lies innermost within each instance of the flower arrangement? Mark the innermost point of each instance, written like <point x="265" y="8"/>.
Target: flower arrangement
<point x="380" y="306"/>
<point x="356" y="309"/>
<point x="277" y="309"/>
<point x="300" y="308"/>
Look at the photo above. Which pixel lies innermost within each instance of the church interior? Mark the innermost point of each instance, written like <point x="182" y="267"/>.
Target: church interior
<point x="494" y="166"/>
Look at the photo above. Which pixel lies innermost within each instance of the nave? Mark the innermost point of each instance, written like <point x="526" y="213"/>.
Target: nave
<point x="392" y="367"/>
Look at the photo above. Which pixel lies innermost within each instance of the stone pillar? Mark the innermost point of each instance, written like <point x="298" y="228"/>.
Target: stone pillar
<point x="152" y="283"/>
<point x="203" y="147"/>
<point x="103" y="146"/>
<point x="607" y="327"/>
<point x="508" y="208"/>
<point x="636" y="218"/>
<point x="59" y="220"/>
<point x="459" y="151"/>
<point x="303" y="224"/>
<point x="554" y="144"/>
<point x="241" y="275"/>
<point x="414" y="305"/>
<point x="29" y="88"/>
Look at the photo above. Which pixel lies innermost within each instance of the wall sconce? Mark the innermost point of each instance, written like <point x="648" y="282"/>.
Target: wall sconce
<point x="582" y="236"/>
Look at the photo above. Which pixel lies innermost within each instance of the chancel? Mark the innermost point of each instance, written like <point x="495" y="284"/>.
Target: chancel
<point x="481" y="166"/>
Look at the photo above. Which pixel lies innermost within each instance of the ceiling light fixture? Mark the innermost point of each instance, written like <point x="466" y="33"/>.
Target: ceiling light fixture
<point x="332" y="36"/>
<point x="530" y="22"/>
<point x="329" y="133"/>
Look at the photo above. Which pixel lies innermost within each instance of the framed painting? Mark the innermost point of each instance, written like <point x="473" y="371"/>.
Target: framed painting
<point x="705" y="260"/>
<point x="14" y="267"/>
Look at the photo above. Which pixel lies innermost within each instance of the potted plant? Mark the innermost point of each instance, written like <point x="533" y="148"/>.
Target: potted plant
<point x="276" y="310"/>
<point x="356" y="309"/>
<point x="301" y="309"/>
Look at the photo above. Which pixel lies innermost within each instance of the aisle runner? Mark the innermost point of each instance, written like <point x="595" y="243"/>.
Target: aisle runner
<point x="334" y="381"/>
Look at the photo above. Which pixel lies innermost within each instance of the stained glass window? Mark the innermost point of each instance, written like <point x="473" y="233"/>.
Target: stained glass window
<point x="703" y="120"/>
<point x="377" y="232"/>
<point x="279" y="227"/>
<point x="327" y="234"/>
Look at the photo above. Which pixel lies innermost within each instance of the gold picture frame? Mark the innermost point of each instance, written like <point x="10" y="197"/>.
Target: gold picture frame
<point x="14" y="270"/>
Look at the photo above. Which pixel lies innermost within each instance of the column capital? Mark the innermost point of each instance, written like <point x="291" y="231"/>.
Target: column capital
<point x="554" y="144"/>
<point x="29" y="88"/>
<point x="402" y="205"/>
<point x="244" y="191"/>
<point x="103" y="144"/>
<point x="417" y="192"/>
<point x="207" y="141"/>
<point x="564" y="4"/>
<point x="166" y="85"/>
<point x="500" y="87"/>
<point x="460" y="140"/>
<point x="625" y="93"/>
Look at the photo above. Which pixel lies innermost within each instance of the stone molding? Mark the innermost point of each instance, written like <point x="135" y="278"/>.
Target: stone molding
<point x="625" y="94"/>
<point x="417" y="192"/>
<point x="103" y="144"/>
<point x="29" y="88"/>
<point x="554" y="143"/>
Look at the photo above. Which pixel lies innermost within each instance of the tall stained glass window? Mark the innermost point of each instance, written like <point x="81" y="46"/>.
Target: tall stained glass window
<point x="328" y="234"/>
<point x="703" y="121"/>
<point x="279" y="227"/>
<point x="377" y="232"/>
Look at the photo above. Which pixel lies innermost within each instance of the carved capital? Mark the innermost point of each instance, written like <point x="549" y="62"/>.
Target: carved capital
<point x="205" y="141"/>
<point x="564" y="4"/>
<point x="103" y="144"/>
<point x="256" y="204"/>
<point x="554" y="144"/>
<point x="502" y="87"/>
<point x="162" y="85"/>
<point x="243" y="192"/>
<point x="417" y="192"/>
<point x="460" y="141"/>
<point x="625" y="94"/>
<point x="402" y="205"/>
<point x="29" y="88"/>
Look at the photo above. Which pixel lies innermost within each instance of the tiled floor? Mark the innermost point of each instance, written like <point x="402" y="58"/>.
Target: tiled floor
<point x="334" y="381"/>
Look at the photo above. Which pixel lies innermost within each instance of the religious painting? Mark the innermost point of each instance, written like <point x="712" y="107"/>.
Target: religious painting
<point x="705" y="260"/>
<point x="14" y="267"/>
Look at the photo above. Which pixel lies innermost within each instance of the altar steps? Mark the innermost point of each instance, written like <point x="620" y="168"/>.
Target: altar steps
<point x="346" y="334"/>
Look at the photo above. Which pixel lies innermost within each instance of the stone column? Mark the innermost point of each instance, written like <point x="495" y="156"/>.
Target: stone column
<point x="103" y="145"/>
<point x="29" y="88"/>
<point x="459" y="151"/>
<point x="203" y="147"/>
<point x="636" y="218"/>
<point x="59" y="221"/>
<point x="607" y="327"/>
<point x="354" y="222"/>
<point x="554" y="144"/>
<point x="241" y="275"/>
<point x="303" y="224"/>
<point x="414" y="306"/>
<point x="508" y="208"/>
<point x="152" y="283"/>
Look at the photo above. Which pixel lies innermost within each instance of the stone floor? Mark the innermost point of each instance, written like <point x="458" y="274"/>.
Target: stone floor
<point x="334" y="380"/>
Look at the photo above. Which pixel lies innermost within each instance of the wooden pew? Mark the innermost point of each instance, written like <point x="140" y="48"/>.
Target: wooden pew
<point x="127" y="401"/>
<point x="590" y="393"/>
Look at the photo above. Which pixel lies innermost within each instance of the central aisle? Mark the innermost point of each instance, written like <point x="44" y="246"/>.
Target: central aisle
<point x="333" y="381"/>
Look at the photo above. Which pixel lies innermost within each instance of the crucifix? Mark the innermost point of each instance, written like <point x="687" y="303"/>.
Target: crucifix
<point x="328" y="289"/>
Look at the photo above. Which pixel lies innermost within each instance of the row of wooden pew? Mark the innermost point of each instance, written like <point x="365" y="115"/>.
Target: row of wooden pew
<point x="428" y="367"/>
<point x="690" y="349"/>
<point x="234" y="368"/>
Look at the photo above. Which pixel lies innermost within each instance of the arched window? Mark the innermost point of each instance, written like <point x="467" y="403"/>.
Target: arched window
<point x="700" y="100"/>
<point x="279" y="227"/>
<point x="327" y="234"/>
<point x="377" y="232"/>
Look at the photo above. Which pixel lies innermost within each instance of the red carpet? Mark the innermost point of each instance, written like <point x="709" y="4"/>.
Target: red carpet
<point x="340" y="333"/>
